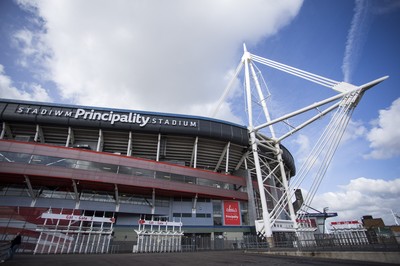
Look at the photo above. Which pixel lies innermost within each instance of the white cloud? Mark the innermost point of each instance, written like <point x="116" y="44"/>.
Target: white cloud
<point x="362" y="196"/>
<point x="304" y="147"/>
<point x="356" y="37"/>
<point x="354" y="130"/>
<point x="169" y="56"/>
<point x="33" y="52"/>
<point x="384" y="137"/>
<point x="34" y="92"/>
<point x="24" y="39"/>
<point x="385" y="7"/>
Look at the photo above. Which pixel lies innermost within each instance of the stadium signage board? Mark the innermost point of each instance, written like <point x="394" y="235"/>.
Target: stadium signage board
<point x="44" y="114"/>
<point x="111" y="117"/>
<point x="231" y="213"/>
<point x="164" y="223"/>
<point x="77" y="217"/>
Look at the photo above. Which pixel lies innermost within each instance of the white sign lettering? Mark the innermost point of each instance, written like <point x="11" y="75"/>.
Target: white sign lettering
<point x="231" y="209"/>
<point x="77" y="217"/>
<point x="110" y="116"/>
<point x="149" y="222"/>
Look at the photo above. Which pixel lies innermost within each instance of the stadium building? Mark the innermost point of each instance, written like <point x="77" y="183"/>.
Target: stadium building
<point x="79" y="179"/>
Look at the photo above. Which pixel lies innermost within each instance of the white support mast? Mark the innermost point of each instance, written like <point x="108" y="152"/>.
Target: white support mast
<point x="275" y="193"/>
<point x="253" y="139"/>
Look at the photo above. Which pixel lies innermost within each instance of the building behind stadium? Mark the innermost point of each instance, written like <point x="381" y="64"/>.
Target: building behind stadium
<point x="78" y="179"/>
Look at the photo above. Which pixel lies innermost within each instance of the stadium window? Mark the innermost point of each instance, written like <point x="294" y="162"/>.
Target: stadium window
<point x="183" y="199"/>
<point x="203" y="200"/>
<point x="176" y="178"/>
<point x="125" y="170"/>
<point x="217" y="220"/>
<point x="203" y="215"/>
<point x="217" y="207"/>
<point x="190" y="180"/>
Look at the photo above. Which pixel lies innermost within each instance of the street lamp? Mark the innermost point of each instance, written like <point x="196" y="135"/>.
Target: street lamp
<point x="325" y="215"/>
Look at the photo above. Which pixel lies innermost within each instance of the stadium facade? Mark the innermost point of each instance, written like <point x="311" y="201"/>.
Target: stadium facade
<point x="79" y="179"/>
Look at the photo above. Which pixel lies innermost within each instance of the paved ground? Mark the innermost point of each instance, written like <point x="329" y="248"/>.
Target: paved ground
<point x="230" y="258"/>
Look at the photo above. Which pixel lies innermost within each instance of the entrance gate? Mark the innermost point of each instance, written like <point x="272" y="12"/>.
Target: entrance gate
<point x="158" y="236"/>
<point x="72" y="233"/>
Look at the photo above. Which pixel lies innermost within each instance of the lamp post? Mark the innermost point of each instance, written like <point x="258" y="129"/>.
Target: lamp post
<point x="325" y="215"/>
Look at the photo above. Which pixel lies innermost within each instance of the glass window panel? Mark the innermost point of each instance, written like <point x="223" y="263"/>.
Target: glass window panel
<point x="62" y="162"/>
<point x="177" y="178"/>
<point x="125" y="170"/>
<point x="217" y="207"/>
<point x="112" y="168"/>
<point x="15" y="191"/>
<point x="217" y="220"/>
<point x="190" y="180"/>
<point x="163" y="175"/>
<point x="143" y="172"/>
<point x="186" y="199"/>
<point x="162" y="203"/>
<point x="44" y="160"/>
<point x="14" y="157"/>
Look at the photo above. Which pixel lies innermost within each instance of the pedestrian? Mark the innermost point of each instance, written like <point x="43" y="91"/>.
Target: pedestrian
<point x="15" y="244"/>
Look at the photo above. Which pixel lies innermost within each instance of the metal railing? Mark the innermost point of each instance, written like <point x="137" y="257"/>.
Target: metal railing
<point x="4" y="250"/>
<point x="339" y="242"/>
<point x="195" y="243"/>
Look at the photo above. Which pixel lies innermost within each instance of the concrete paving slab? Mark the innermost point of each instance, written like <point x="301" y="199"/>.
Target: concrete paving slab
<point x="231" y="258"/>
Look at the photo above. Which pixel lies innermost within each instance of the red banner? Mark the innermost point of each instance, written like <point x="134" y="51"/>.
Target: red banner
<point x="231" y="213"/>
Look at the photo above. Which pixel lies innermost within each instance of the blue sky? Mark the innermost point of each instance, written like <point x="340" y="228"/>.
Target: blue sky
<point x="177" y="56"/>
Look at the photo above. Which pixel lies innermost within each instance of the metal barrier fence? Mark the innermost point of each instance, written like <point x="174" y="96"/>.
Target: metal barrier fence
<point x="203" y="243"/>
<point x="196" y="243"/>
<point x="341" y="242"/>
<point x="320" y="242"/>
<point x="4" y="250"/>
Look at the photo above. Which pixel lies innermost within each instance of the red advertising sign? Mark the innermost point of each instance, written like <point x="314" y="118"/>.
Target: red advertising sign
<point x="231" y="213"/>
